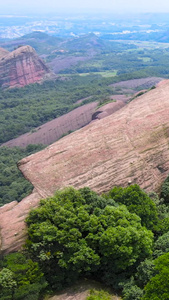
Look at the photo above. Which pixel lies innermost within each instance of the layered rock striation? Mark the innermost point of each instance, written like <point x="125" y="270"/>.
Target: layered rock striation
<point x="21" y="67"/>
<point x="129" y="146"/>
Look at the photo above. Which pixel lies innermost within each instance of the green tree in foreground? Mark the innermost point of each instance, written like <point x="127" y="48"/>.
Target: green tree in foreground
<point x="20" y="278"/>
<point x="131" y="291"/>
<point x="158" y="287"/>
<point x="7" y="284"/>
<point x="137" y="201"/>
<point x="161" y="246"/>
<point x="76" y="233"/>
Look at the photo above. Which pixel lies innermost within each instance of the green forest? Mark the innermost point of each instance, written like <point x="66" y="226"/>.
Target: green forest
<point x="119" y="238"/>
<point x="13" y="186"/>
<point x="24" y="109"/>
<point x="153" y="62"/>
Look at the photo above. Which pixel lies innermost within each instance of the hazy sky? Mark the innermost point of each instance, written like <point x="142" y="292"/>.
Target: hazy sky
<point x="42" y="6"/>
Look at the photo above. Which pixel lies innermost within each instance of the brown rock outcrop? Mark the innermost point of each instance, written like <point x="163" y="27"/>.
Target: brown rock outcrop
<point x="22" y="67"/>
<point x="107" y="110"/>
<point x="130" y="146"/>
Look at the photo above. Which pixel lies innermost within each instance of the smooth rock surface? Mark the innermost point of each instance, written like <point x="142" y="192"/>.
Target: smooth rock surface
<point x="129" y="146"/>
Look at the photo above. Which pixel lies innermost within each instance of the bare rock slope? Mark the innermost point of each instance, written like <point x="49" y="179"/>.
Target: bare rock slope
<point x="51" y="131"/>
<point x="129" y="146"/>
<point x="21" y="67"/>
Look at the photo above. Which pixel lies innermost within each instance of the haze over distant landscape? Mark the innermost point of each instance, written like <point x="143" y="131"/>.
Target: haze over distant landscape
<point x="74" y="6"/>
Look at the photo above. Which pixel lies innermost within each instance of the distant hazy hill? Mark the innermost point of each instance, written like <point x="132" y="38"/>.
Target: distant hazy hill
<point x="86" y="42"/>
<point x="41" y="42"/>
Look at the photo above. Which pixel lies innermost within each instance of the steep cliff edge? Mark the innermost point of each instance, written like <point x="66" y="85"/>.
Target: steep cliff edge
<point x="3" y="52"/>
<point x="129" y="146"/>
<point x="21" y="67"/>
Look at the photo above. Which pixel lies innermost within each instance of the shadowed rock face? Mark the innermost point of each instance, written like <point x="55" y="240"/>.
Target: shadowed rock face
<point x="21" y="67"/>
<point x="129" y="146"/>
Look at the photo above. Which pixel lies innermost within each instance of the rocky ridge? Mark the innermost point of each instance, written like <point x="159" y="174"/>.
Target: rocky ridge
<point x="3" y="52"/>
<point x="21" y="67"/>
<point x="129" y="146"/>
<point x="51" y="131"/>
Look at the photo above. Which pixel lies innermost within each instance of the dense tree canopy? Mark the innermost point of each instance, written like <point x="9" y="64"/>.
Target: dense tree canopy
<point x="137" y="201"/>
<point x="158" y="287"/>
<point x="77" y="234"/>
<point x="80" y="236"/>
<point x="20" y="278"/>
<point x="161" y="246"/>
<point x="13" y="185"/>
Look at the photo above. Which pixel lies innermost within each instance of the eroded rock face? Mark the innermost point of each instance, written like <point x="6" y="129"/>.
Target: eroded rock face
<point x="21" y="67"/>
<point x="129" y="146"/>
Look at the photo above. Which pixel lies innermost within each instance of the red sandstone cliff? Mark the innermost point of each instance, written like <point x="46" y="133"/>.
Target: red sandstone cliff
<point x="129" y="146"/>
<point x="21" y="67"/>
